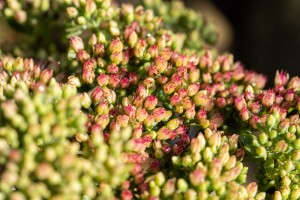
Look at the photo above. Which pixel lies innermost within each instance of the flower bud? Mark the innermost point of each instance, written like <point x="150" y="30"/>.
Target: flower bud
<point x="150" y="102"/>
<point x="116" y="46"/>
<point x="76" y="43"/>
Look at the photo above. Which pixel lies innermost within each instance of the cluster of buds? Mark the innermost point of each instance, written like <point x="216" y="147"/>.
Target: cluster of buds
<point x="149" y="112"/>
<point x="207" y="170"/>
<point x="45" y="149"/>
<point x="272" y="134"/>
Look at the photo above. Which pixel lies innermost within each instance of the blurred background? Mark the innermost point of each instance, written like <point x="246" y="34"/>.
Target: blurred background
<point x="263" y="35"/>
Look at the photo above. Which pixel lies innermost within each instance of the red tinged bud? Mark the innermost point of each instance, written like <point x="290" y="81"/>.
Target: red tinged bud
<point x="152" y="71"/>
<point x="126" y="195"/>
<point x="82" y="55"/>
<point x="46" y="75"/>
<point x="116" y="57"/>
<point x="169" y="88"/>
<point x="281" y="78"/>
<point x="102" y="108"/>
<point x="150" y="102"/>
<point x="133" y="78"/>
<point x="112" y="69"/>
<point x="193" y="89"/>
<point x="159" y="114"/>
<point x="99" y="50"/>
<point x="116" y="46"/>
<point x="175" y="99"/>
<point x="294" y="84"/>
<point x="124" y="83"/>
<point x="97" y="95"/>
<point x="268" y="98"/>
<point x="130" y="111"/>
<point x="141" y="114"/>
<point x="153" y="51"/>
<point x="255" y="107"/>
<point x="164" y="134"/>
<point x="88" y="76"/>
<point x="114" y="80"/>
<point x="244" y="113"/>
<point x="161" y="64"/>
<point x="122" y="120"/>
<point x="76" y="43"/>
<point x="197" y="176"/>
<point x="240" y="102"/>
<point x="103" y="79"/>
<point x="89" y="65"/>
<point x="221" y="102"/>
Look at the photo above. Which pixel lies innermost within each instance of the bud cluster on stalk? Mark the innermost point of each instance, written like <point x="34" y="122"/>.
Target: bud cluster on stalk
<point x="137" y="106"/>
<point x="273" y="134"/>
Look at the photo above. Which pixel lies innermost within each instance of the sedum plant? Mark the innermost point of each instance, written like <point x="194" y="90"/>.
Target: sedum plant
<point x="133" y="102"/>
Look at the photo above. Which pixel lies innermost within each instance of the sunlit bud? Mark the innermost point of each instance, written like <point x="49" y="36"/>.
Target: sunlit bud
<point x="149" y="121"/>
<point x="201" y="98"/>
<point x="277" y="195"/>
<point x="231" y="174"/>
<point x="88" y="76"/>
<point x="76" y="43"/>
<point x="138" y="101"/>
<point x="240" y="103"/>
<point x="281" y="146"/>
<point x="294" y="84"/>
<point x="169" y="187"/>
<point x="90" y="6"/>
<point x="132" y="39"/>
<point x="193" y="89"/>
<point x="130" y="111"/>
<point x="97" y="95"/>
<point x="89" y="65"/>
<point x="289" y="96"/>
<point x="150" y="102"/>
<point x="169" y="88"/>
<point x="99" y="50"/>
<point x="102" y="121"/>
<point x="46" y="75"/>
<point x="85" y="100"/>
<point x="281" y="78"/>
<point x="175" y="99"/>
<point x="116" y="46"/>
<point x="153" y="51"/>
<point x="102" y="108"/>
<point x="173" y="124"/>
<point x="190" y="113"/>
<point x="114" y="80"/>
<point x="221" y="102"/>
<point x="182" y="185"/>
<point x="268" y="98"/>
<point x="215" y="168"/>
<point x="255" y="107"/>
<point x="244" y="113"/>
<point x="82" y="55"/>
<point x="72" y="12"/>
<point x="161" y="63"/>
<point x="112" y="69"/>
<point x="116" y="57"/>
<point x="103" y="79"/>
<point x="133" y="78"/>
<point x="159" y="114"/>
<point x="122" y="120"/>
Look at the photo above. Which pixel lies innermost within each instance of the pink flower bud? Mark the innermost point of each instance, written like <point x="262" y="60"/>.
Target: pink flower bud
<point x="268" y="98"/>
<point x="89" y="65"/>
<point x="197" y="176"/>
<point x="82" y="55"/>
<point x="116" y="57"/>
<point x="116" y="45"/>
<point x="133" y="78"/>
<point x="153" y="51"/>
<point x="124" y="83"/>
<point x="141" y="114"/>
<point x="240" y="102"/>
<point x="76" y="43"/>
<point x="150" y="102"/>
<point x="46" y="75"/>
<point x="159" y="114"/>
<point x="190" y="113"/>
<point x="130" y="111"/>
<point x="114" y="80"/>
<point x="99" y="50"/>
<point x="97" y="95"/>
<point x="175" y="99"/>
<point x="161" y="63"/>
<point x="88" y="76"/>
<point x="102" y="80"/>
<point x="281" y="78"/>
<point x="193" y="89"/>
<point x="126" y="195"/>
<point x="102" y="121"/>
<point x="122" y="120"/>
<point x="221" y="102"/>
<point x="294" y="83"/>
<point x="244" y="113"/>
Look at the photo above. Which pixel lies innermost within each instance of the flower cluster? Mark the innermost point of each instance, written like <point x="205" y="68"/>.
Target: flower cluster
<point x="138" y="106"/>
